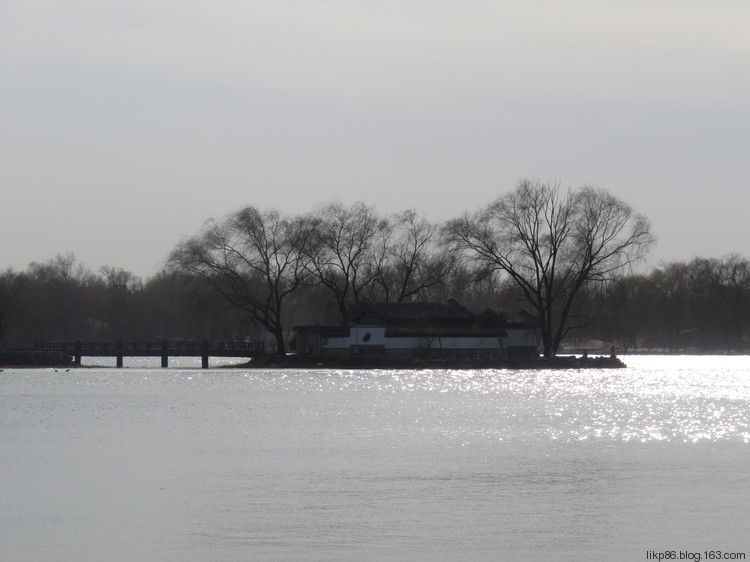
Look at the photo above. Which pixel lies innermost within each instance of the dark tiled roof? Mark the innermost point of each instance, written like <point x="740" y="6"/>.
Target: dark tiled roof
<point x="518" y="317"/>
<point x="450" y="310"/>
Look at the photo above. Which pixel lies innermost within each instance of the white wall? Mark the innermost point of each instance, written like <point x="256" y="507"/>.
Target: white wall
<point x="520" y="338"/>
<point x="358" y="335"/>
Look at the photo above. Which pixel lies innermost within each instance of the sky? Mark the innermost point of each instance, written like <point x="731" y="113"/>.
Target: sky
<point x="125" y="125"/>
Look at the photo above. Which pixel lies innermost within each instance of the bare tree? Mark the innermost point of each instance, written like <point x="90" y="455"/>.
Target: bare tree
<point x="121" y="294"/>
<point x="11" y="300"/>
<point x="551" y="242"/>
<point x="347" y="248"/>
<point x="415" y="260"/>
<point x="119" y="279"/>
<point x="62" y="290"/>
<point x="731" y="279"/>
<point x="61" y="269"/>
<point x="252" y="259"/>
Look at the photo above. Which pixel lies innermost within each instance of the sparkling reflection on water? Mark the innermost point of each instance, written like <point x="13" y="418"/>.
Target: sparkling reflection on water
<point x="186" y="464"/>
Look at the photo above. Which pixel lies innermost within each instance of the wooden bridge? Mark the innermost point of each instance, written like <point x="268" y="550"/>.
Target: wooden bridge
<point x="164" y="349"/>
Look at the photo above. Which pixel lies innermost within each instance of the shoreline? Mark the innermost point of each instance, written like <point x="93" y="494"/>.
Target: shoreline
<point x="559" y="362"/>
<point x="31" y="359"/>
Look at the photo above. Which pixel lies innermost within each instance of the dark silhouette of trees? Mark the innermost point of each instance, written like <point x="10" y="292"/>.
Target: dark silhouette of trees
<point x="119" y="294"/>
<point x="669" y="284"/>
<point x="253" y="259"/>
<point x="628" y="304"/>
<point x="415" y="261"/>
<point x="730" y="277"/>
<point x="12" y="302"/>
<point x="346" y="250"/>
<point x="680" y="306"/>
<point x="564" y="254"/>
<point x="60" y="291"/>
<point x="172" y="309"/>
<point x="551" y="242"/>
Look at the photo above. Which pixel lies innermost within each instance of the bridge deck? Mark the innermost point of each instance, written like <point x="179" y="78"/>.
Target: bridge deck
<point x="163" y="349"/>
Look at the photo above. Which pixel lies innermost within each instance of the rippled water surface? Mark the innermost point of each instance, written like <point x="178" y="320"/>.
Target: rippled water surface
<point x="191" y="465"/>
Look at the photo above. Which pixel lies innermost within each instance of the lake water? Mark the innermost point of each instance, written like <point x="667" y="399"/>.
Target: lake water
<point x="184" y="464"/>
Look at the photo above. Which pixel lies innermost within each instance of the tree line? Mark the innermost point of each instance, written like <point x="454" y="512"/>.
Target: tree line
<point x="566" y="255"/>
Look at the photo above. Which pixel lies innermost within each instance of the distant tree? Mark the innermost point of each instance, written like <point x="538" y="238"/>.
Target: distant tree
<point x="627" y="311"/>
<point x="551" y="242"/>
<point x="672" y="284"/>
<point x="63" y="268"/>
<point x="11" y="300"/>
<point x="701" y="301"/>
<point x="121" y="295"/>
<point x="165" y="308"/>
<point x="60" y="291"/>
<point x="415" y="261"/>
<point x="347" y="249"/>
<point x="252" y="259"/>
<point x="120" y="279"/>
<point x="731" y="279"/>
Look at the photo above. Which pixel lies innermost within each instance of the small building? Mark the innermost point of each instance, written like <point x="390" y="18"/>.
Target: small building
<point x="519" y="328"/>
<point x="425" y="330"/>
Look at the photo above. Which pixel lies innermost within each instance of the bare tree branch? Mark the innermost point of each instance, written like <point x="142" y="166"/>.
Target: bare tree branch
<point x="551" y="242"/>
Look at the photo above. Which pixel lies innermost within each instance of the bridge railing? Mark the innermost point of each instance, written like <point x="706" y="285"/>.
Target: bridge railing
<point x="161" y="348"/>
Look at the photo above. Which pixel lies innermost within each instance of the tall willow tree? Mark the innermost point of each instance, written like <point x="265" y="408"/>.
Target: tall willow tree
<point x="551" y="242"/>
<point x="415" y="261"/>
<point x="346" y="247"/>
<point x="252" y="259"/>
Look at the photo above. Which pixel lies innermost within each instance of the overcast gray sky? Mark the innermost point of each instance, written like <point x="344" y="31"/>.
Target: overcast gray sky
<point x="125" y="124"/>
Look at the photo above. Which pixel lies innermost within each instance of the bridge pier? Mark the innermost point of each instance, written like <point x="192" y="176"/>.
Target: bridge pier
<point x="164" y="355"/>
<point x="204" y="354"/>
<point x="119" y="356"/>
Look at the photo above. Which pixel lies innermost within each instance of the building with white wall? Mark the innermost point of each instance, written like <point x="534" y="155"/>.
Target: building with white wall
<point x="428" y="330"/>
